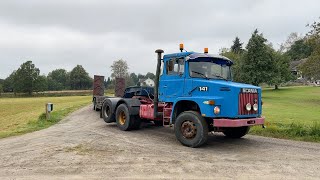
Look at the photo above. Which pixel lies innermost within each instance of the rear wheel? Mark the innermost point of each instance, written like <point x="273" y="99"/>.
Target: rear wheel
<point x="124" y="120"/>
<point x="107" y="113"/>
<point x="191" y="129"/>
<point x="236" y="132"/>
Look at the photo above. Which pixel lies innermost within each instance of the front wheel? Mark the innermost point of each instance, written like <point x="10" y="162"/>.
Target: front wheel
<point x="191" y="129"/>
<point x="236" y="132"/>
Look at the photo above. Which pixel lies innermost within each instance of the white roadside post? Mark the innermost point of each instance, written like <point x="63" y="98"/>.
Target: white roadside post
<point x="49" y="108"/>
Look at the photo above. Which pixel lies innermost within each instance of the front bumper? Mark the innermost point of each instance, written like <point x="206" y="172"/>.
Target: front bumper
<point x="238" y="122"/>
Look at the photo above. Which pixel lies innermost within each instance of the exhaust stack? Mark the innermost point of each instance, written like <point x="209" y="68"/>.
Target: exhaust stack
<point x="156" y="92"/>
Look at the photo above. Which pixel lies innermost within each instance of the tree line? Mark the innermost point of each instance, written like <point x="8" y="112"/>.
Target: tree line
<point x="260" y="63"/>
<point x="27" y="79"/>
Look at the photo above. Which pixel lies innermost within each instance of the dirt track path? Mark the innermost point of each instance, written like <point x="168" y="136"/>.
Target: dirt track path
<point x="83" y="146"/>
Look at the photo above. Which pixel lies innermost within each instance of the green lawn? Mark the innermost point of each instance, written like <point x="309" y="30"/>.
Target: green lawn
<point x="291" y="112"/>
<point x="22" y="115"/>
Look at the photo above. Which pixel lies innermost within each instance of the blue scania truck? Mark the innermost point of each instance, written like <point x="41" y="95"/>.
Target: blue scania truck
<point x="195" y="93"/>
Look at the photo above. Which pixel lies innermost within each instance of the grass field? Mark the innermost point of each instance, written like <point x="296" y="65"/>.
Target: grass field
<point x="49" y="94"/>
<point x="22" y="115"/>
<point x="291" y="112"/>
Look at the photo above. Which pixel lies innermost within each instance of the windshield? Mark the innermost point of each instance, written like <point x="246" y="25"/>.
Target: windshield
<point x="209" y="70"/>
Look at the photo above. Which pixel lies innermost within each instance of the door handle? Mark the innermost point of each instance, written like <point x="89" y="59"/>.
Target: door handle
<point x="165" y="86"/>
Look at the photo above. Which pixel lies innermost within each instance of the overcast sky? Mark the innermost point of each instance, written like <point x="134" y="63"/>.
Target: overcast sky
<point x="93" y="33"/>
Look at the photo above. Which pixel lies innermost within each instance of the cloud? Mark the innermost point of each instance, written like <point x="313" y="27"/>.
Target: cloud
<point x="93" y="33"/>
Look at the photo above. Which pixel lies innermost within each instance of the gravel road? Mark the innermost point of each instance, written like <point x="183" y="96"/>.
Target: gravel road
<point x="82" y="146"/>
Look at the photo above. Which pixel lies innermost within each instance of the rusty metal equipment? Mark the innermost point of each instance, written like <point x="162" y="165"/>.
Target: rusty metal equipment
<point x="120" y="86"/>
<point x="98" y="85"/>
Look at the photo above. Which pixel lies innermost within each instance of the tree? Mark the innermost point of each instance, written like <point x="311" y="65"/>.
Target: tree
<point x="258" y="63"/>
<point x="235" y="53"/>
<point x="237" y="59"/>
<point x="134" y="77"/>
<point x="119" y="69"/>
<point x="237" y="46"/>
<point x="25" y="78"/>
<point x="41" y="84"/>
<point x="291" y="39"/>
<point x="150" y="75"/>
<point x="129" y="81"/>
<point x="281" y="71"/>
<point x="107" y="83"/>
<point x="79" y="78"/>
<point x="311" y="68"/>
<point x="57" y="80"/>
<point x="8" y="83"/>
<point x="299" y="50"/>
<point x="1" y="89"/>
<point x="140" y="76"/>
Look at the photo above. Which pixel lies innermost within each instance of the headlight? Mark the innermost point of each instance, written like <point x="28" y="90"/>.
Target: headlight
<point x="216" y="110"/>
<point x="255" y="107"/>
<point x="248" y="107"/>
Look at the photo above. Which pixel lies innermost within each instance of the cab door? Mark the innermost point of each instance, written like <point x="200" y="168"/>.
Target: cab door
<point x="172" y="81"/>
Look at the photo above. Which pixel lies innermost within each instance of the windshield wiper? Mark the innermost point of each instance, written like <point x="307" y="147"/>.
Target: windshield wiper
<point x="201" y="74"/>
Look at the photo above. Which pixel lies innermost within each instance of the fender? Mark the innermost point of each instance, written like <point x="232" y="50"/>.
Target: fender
<point x="205" y="109"/>
<point x="114" y="102"/>
<point x="132" y="104"/>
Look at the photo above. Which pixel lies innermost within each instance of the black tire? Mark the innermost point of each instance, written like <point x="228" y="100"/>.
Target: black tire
<point x="191" y="129"/>
<point x="107" y="113"/>
<point x="158" y="123"/>
<point x="123" y="117"/>
<point x="236" y="132"/>
<point x="125" y="121"/>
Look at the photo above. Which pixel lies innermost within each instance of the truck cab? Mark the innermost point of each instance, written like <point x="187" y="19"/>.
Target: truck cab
<point x="206" y="80"/>
<point x="201" y="83"/>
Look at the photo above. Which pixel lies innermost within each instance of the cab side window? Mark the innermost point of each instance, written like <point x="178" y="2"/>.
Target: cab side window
<point x="175" y="66"/>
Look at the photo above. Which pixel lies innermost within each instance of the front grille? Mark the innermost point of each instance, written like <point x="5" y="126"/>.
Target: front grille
<point x="245" y="98"/>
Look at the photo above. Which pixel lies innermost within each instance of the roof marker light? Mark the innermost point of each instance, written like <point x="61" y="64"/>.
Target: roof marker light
<point x="181" y="47"/>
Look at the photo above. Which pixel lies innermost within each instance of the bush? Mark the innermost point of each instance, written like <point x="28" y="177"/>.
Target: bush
<point x="297" y="131"/>
<point x="315" y="130"/>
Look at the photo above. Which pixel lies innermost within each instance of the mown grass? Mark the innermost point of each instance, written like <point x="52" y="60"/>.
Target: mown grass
<point x="291" y="113"/>
<point x="48" y="94"/>
<point x="23" y="115"/>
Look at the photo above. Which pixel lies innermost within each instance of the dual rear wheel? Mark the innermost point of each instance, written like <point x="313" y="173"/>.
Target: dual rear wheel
<point x="124" y="120"/>
<point x="107" y="113"/>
